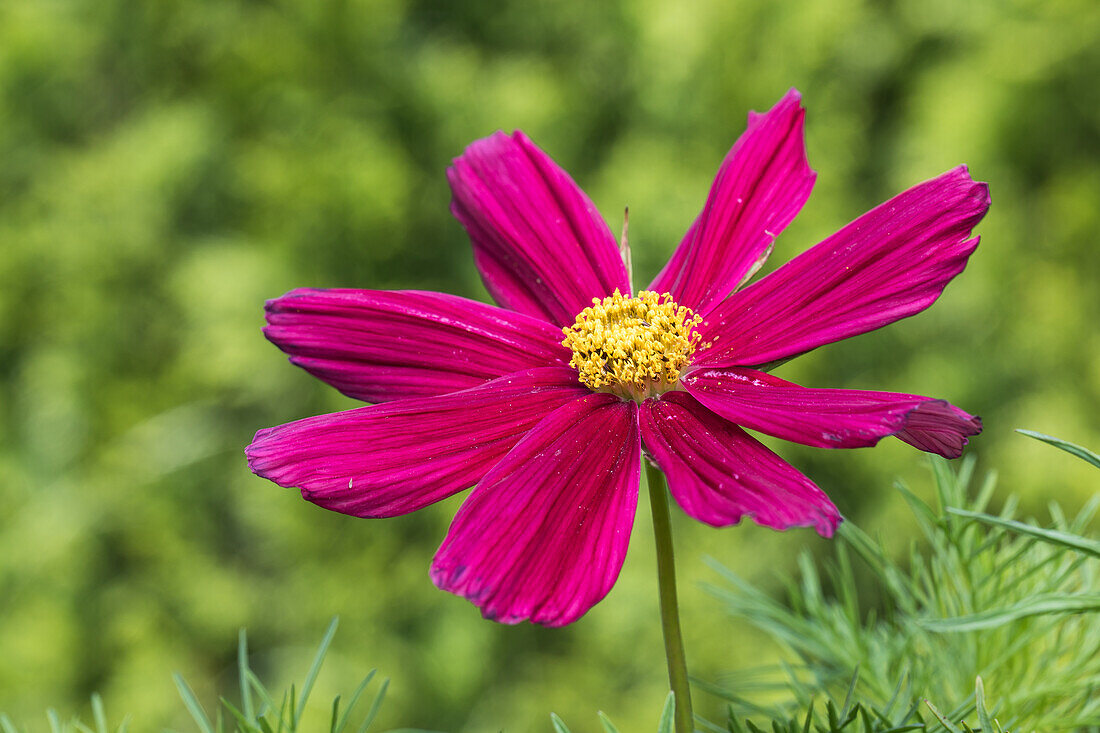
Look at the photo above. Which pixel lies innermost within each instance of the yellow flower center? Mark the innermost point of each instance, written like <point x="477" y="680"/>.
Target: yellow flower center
<point x="632" y="347"/>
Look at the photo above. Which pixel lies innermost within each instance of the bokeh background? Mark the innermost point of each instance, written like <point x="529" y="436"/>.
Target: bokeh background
<point x="166" y="166"/>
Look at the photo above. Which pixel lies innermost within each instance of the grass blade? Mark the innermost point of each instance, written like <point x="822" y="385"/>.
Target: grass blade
<point x="1072" y="448"/>
<point x="260" y="690"/>
<point x="979" y="702"/>
<point x="376" y="705"/>
<point x="1038" y="606"/>
<point x="667" y="714"/>
<point x="354" y="699"/>
<point x="98" y="714"/>
<point x="940" y="717"/>
<point x="242" y="675"/>
<point x="192" y="704"/>
<point x="314" y="669"/>
<point x="1053" y="536"/>
<point x="608" y="726"/>
<point x="559" y="724"/>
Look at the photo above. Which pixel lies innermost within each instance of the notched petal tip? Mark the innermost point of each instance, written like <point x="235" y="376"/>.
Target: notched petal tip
<point x="760" y="186"/>
<point x="544" y="533"/>
<point x="888" y="264"/>
<point x="937" y="426"/>
<point x="539" y="243"/>
<point x="719" y="474"/>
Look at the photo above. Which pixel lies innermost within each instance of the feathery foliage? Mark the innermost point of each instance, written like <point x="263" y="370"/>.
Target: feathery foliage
<point x="982" y="595"/>
<point x="259" y="712"/>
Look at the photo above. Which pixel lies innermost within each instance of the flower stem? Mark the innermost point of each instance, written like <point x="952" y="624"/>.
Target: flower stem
<point x="670" y="609"/>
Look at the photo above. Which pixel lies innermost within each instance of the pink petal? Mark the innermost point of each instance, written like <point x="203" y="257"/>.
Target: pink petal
<point x="939" y="427"/>
<point x="379" y="345"/>
<point x="830" y="418"/>
<point x="386" y="460"/>
<point x="760" y="187"/>
<point x="539" y="242"/>
<point x="718" y="473"/>
<point x="544" y="534"/>
<point x="890" y="263"/>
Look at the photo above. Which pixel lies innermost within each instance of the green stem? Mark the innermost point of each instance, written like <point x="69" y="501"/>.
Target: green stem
<point x="670" y="609"/>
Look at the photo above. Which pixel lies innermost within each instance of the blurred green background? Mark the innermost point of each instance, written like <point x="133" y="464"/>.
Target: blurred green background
<point x="166" y="166"/>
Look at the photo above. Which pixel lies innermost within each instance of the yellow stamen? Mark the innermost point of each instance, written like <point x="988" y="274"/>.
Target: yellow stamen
<point x="632" y="347"/>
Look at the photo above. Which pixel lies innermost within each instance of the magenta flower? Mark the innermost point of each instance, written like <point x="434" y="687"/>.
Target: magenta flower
<point x="550" y="430"/>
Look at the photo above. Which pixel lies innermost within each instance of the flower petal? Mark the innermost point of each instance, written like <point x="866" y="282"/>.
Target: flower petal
<point x="890" y="263"/>
<point x="387" y="460"/>
<point x="379" y="345"/>
<point x="539" y="242"/>
<point x="760" y="187"/>
<point x="940" y="427"/>
<point x="544" y="534"/>
<point x="830" y="418"/>
<point x="718" y="473"/>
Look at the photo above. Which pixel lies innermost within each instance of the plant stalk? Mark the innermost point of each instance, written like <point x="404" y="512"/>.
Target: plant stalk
<point x="670" y="609"/>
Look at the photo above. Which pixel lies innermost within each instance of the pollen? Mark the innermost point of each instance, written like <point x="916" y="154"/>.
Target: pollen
<point x="633" y="347"/>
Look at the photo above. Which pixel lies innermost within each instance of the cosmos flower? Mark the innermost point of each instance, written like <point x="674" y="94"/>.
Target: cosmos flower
<point x="546" y="402"/>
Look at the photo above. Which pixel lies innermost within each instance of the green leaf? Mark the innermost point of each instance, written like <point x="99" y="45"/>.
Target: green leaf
<point x="242" y="669"/>
<point x="244" y="724"/>
<point x="98" y="713"/>
<point x="608" y="726"/>
<point x="1053" y="536"/>
<point x="314" y="669"/>
<point x="559" y="724"/>
<point x="6" y="725"/>
<point x="1037" y="606"/>
<point x="1083" y="453"/>
<point x="192" y="704"/>
<point x="667" y="715"/>
<point x="260" y="690"/>
<point x="354" y="699"/>
<point x="940" y="716"/>
<point x="979" y="702"/>
<point x="375" y="705"/>
<point x="845" y="713"/>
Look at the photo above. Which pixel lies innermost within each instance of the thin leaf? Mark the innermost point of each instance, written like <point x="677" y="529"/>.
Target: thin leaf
<point x="1083" y="453"/>
<point x="667" y="714"/>
<point x="939" y="716"/>
<point x="1038" y="606"/>
<point x="192" y="704"/>
<point x="288" y="704"/>
<point x="979" y="702"/>
<point x="242" y="670"/>
<point x="354" y="699"/>
<point x="559" y="724"/>
<point x="848" y="698"/>
<point x="608" y="726"/>
<point x="98" y="714"/>
<point x="376" y="705"/>
<point x="265" y="697"/>
<point x="6" y="725"/>
<point x="244" y="723"/>
<point x="1053" y="536"/>
<point x="314" y="669"/>
<point x="55" y="722"/>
